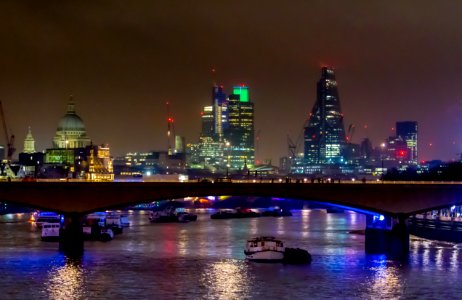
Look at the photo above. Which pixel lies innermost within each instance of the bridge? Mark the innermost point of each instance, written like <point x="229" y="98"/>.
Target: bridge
<point x="85" y="197"/>
<point x="395" y="201"/>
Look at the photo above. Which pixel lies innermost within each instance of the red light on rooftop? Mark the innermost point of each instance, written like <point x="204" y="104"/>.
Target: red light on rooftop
<point x="170" y="120"/>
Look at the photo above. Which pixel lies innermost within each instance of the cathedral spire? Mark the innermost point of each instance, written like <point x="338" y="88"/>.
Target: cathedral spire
<point x="29" y="142"/>
<point x="71" y="105"/>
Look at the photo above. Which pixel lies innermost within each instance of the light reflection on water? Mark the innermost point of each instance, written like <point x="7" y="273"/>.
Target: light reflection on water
<point x="67" y="281"/>
<point x="226" y="280"/>
<point x="386" y="281"/>
<point x="205" y="260"/>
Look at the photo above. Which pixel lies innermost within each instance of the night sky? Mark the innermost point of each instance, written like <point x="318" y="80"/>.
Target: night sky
<point x="122" y="60"/>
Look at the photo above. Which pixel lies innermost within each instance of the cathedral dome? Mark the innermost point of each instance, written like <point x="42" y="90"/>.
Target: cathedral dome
<point x="71" y="122"/>
<point x="71" y="131"/>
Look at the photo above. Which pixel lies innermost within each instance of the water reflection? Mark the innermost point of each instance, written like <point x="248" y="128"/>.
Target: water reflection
<point x="226" y="280"/>
<point x="386" y="281"/>
<point x="67" y="281"/>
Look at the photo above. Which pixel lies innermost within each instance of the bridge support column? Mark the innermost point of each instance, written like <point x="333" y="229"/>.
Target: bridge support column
<point x="387" y="235"/>
<point x="71" y="235"/>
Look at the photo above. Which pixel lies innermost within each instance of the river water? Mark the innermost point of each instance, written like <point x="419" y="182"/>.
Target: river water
<point x="205" y="260"/>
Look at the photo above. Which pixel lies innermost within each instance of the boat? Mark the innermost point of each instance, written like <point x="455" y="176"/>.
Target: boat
<point x="223" y="214"/>
<point x="95" y="226"/>
<point x="106" y="234"/>
<point x="163" y="216"/>
<point x="184" y="217"/>
<point x="124" y="221"/>
<point x="171" y="215"/>
<point x="264" y="249"/>
<point x="114" y="222"/>
<point x="237" y="213"/>
<point x="50" y="231"/>
<point x="246" y="213"/>
<point x="46" y="217"/>
<point x="277" y="212"/>
<point x="270" y="249"/>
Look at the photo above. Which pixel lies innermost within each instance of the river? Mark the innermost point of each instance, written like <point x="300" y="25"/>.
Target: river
<point x="205" y="260"/>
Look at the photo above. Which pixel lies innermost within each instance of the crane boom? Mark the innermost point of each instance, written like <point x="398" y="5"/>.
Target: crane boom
<point x="9" y="139"/>
<point x="2" y="115"/>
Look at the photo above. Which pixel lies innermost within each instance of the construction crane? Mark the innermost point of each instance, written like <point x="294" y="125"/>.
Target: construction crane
<point x="10" y="149"/>
<point x="350" y="133"/>
<point x="170" y="132"/>
<point x="294" y="146"/>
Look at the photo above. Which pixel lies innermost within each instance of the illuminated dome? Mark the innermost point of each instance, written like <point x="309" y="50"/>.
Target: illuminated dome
<point x="71" y="131"/>
<point x="71" y="121"/>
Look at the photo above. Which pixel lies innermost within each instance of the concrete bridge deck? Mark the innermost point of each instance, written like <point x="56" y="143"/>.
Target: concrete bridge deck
<point x="84" y="197"/>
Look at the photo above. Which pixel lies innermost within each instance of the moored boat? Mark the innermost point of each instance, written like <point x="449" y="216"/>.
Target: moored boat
<point x="277" y="212"/>
<point x="270" y="249"/>
<point x="46" y="217"/>
<point x="264" y="249"/>
<point x="171" y="215"/>
<point x="223" y="214"/>
<point x="50" y="231"/>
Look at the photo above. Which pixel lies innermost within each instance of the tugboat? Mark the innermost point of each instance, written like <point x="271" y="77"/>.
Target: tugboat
<point x="270" y="249"/>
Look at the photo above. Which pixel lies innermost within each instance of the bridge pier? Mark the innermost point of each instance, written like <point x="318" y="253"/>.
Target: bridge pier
<point x="387" y="235"/>
<point x="71" y="239"/>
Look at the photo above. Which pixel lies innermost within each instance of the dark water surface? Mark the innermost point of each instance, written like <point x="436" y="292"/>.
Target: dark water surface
<point x="205" y="260"/>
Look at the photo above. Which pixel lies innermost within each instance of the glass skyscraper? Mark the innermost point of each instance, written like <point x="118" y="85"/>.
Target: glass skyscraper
<point x="239" y="135"/>
<point x="325" y="132"/>
<point x="407" y="131"/>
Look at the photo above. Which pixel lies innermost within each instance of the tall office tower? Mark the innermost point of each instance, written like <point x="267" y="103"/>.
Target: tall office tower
<point x="239" y="136"/>
<point x="325" y="133"/>
<point x="210" y="151"/>
<point x="220" y="112"/>
<point x="218" y="96"/>
<point x="208" y="121"/>
<point x="407" y="131"/>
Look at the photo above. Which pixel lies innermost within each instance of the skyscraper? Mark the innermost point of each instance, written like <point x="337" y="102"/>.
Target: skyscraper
<point x="220" y="112"/>
<point x="240" y="132"/>
<point x="325" y="132"/>
<point x="407" y="131"/>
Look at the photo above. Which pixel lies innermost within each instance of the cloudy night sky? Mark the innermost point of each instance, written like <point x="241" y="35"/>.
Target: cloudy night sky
<point x="122" y="60"/>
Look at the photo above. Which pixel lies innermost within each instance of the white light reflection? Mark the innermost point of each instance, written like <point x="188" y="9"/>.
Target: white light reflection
<point x="226" y="280"/>
<point x="66" y="282"/>
<point x="455" y="260"/>
<point x="305" y="221"/>
<point x="183" y="242"/>
<point x="439" y="258"/>
<point x="426" y="257"/>
<point x="281" y="226"/>
<point x="386" y="283"/>
<point x="253" y="227"/>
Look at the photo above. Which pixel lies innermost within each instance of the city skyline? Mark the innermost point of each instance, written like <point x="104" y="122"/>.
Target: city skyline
<point x="122" y="62"/>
